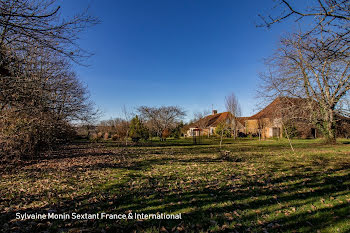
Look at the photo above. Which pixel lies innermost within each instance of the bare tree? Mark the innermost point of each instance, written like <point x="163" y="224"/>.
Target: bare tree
<point x="322" y="11"/>
<point x="38" y="103"/>
<point x="162" y="118"/>
<point x="222" y="129"/>
<point x="320" y="50"/>
<point x="328" y="16"/>
<point x="303" y="68"/>
<point x="40" y="95"/>
<point x="35" y="39"/>
<point x="233" y="107"/>
<point x="330" y="21"/>
<point x="37" y="23"/>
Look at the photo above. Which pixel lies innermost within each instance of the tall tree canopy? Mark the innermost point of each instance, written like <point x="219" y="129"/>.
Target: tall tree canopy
<point x="313" y="63"/>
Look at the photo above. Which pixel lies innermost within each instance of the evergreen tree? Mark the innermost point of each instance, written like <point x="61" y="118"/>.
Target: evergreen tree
<point x="176" y="132"/>
<point x="138" y="130"/>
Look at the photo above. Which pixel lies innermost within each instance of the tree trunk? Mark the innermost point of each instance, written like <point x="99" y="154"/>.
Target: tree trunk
<point x="126" y="137"/>
<point x="234" y="129"/>
<point x="287" y="135"/>
<point x="330" y="132"/>
<point x="222" y="135"/>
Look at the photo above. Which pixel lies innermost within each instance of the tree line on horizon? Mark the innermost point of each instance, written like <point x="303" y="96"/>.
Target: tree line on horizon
<point x="161" y="122"/>
<point x="147" y="122"/>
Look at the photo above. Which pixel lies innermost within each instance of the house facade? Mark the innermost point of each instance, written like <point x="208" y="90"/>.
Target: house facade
<point x="281" y="115"/>
<point x="207" y="125"/>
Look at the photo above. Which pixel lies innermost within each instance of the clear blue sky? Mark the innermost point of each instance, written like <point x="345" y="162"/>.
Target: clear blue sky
<point x="190" y="53"/>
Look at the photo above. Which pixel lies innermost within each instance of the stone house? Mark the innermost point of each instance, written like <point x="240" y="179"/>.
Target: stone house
<point x="207" y="125"/>
<point x="270" y="122"/>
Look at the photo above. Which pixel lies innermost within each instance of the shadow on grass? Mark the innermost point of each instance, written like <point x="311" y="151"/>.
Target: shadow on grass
<point x="284" y="203"/>
<point x="208" y="206"/>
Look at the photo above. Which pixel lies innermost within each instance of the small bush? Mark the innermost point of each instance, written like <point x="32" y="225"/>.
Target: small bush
<point x="95" y="137"/>
<point x="115" y="137"/>
<point x="223" y="129"/>
<point x="165" y="134"/>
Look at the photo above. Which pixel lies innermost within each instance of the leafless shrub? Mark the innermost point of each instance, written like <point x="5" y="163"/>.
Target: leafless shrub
<point x="115" y="137"/>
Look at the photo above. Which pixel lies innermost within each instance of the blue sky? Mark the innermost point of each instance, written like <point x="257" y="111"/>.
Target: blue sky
<point x="190" y="53"/>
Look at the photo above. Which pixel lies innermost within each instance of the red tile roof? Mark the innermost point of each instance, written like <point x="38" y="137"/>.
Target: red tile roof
<point x="274" y="109"/>
<point x="211" y="120"/>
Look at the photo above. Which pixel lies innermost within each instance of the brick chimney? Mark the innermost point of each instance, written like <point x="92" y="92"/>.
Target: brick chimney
<point x="215" y="112"/>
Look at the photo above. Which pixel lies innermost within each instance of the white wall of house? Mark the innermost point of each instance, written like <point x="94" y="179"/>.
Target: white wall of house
<point x="212" y="130"/>
<point x="191" y="132"/>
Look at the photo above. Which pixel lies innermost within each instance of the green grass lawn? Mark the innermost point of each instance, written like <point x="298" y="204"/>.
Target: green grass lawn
<point x="260" y="186"/>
